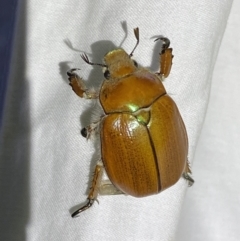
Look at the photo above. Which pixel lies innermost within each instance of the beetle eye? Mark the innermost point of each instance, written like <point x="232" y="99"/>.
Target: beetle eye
<point x="106" y="74"/>
<point x="135" y="63"/>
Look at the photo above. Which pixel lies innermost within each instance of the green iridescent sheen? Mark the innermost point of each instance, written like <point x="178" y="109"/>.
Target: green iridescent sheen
<point x="133" y="107"/>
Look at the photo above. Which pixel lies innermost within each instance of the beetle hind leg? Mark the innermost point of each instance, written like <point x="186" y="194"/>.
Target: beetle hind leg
<point x="186" y="175"/>
<point x="94" y="190"/>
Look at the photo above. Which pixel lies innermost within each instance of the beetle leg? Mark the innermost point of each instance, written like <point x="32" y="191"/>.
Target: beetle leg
<point x="107" y="188"/>
<point x="186" y="175"/>
<point x="165" y="58"/>
<point x="91" y="129"/>
<point x="94" y="190"/>
<point x="188" y="178"/>
<point x="79" y="86"/>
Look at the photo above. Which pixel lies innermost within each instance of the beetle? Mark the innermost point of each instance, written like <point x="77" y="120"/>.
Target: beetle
<point x="144" y="143"/>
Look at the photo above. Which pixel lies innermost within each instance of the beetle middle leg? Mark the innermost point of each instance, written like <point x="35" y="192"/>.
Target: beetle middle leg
<point x="90" y="130"/>
<point x="165" y="58"/>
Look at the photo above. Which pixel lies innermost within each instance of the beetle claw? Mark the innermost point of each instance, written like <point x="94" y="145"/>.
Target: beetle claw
<point x="85" y="207"/>
<point x="165" y="44"/>
<point x="71" y="72"/>
<point x="188" y="178"/>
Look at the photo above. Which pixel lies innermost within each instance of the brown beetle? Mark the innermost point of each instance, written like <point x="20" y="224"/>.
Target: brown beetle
<point x="144" y="144"/>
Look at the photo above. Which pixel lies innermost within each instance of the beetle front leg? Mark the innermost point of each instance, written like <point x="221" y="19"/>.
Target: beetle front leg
<point x="166" y="57"/>
<point x="79" y="87"/>
<point x="94" y="190"/>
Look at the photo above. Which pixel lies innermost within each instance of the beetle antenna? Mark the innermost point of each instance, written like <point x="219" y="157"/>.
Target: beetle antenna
<point x="136" y="33"/>
<point x="86" y="59"/>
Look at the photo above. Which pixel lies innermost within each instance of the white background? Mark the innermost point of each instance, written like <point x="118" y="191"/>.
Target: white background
<point x="46" y="164"/>
<point x="211" y="209"/>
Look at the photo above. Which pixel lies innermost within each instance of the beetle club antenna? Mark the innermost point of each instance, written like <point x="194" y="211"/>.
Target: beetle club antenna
<point x="136" y="33"/>
<point x="86" y="59"/>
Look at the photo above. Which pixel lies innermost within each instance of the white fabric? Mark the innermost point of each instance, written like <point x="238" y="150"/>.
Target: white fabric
<point x="47" y="165"/>
<point x="211" y="209"/>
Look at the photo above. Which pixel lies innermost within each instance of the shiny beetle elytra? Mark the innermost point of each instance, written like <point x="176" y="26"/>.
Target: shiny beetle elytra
<point x="144" y="144"/>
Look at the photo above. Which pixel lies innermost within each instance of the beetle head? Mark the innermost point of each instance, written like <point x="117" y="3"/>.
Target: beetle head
<point x="118" y="64"/>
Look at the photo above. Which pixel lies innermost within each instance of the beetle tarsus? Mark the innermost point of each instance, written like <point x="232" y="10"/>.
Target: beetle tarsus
<point x="187" y="177"/>
<point x="85" y="207"/>
<point x="93" y="193"/>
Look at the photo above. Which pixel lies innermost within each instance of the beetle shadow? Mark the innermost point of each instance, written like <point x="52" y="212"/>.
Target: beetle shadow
<point x="95" y="78"/>
<point x="155" y="62"/>
<point x="99" y="49"/>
